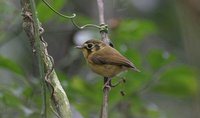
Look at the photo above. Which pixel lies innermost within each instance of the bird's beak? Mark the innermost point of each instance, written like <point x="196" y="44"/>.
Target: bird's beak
<point x="78" y="47"/>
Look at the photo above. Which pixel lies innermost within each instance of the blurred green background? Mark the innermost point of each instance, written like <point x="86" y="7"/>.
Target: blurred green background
<point x="161" y="37"/>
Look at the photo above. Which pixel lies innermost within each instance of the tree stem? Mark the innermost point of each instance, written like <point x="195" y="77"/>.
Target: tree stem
<point x="101" y="11"/>
<point x="106" y="89"/>
<point x="33" y="29"/>
<point x="104" y="38"/>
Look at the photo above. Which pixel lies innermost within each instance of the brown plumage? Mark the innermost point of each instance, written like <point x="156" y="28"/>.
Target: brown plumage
<point x="105" y="60"/>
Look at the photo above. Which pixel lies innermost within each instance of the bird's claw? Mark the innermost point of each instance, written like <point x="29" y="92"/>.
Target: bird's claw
<point x="107" y="86"/>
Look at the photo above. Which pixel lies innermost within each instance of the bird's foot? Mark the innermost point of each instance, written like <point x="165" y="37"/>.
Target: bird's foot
<point x="107" y="87"/>
<point x="107" y="84"/>
<point x="122" y="80"/>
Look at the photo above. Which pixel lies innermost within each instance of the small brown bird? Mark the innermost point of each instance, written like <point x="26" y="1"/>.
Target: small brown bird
<point x="104" y="59"/>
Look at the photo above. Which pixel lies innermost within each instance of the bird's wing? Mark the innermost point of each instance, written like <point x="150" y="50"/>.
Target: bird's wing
<point x="111" y="56"/>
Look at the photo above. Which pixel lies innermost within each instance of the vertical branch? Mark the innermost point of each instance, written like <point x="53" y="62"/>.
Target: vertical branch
<point x="29" y="27"/>
<point x="104" y="34"/>
<point x="104" y="107"/>
<point x="104" y="37"/>
<point x="33" y="30"/>
<point x="101" y="11"/>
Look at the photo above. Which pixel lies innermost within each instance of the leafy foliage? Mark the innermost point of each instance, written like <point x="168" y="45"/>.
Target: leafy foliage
<point x="157" y="59"/>
<point x="10" y="65"/>
<point x="130" y="30"/>
<point x="178" y="81"/>
<point x="45" y="13"/>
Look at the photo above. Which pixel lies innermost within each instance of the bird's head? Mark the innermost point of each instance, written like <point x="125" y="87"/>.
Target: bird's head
<point x="91" y="46"/>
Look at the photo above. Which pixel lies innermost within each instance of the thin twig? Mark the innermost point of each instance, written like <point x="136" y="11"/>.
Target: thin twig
<point x="104" y="34"/>
<point x="107" y="81"/>
<point x="106" y="90"/>
<point x="101" y="11"/>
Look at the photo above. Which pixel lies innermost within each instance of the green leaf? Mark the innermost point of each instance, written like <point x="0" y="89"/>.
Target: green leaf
<point x="86" y="94"/>
<point x="61" y="75"/>
<point x="10" y="65"/>
<point x="78" y="84"/>
<point x="136" y="80"/>
<point x="158" y="58"/>
<point x="45" y="13"/>
<point x="27" y="91"/>
<point x="133" y="30"/>
<point x="134" y="56"/>
<point x="10" y="99"/>
<point x="138" y="107"/>
<point x="178" y="81"/>
<point x="84" y="88"/>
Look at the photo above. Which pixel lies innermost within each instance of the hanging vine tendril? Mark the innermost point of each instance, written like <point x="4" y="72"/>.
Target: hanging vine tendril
<point x="102" y="27"/>
<point x="60" y="14"/>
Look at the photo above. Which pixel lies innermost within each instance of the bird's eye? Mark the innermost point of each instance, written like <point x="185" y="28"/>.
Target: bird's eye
<point x="90" y="46"/>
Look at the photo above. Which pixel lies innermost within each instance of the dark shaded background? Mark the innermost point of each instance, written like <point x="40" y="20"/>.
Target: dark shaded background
<point x="160" y="37"/>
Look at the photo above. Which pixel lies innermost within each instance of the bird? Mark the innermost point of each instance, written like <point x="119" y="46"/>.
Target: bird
<point x="104" y="59"/>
